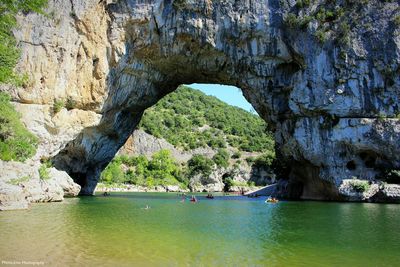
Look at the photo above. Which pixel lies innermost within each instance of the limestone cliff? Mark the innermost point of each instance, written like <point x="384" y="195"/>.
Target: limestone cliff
<point x="328" y="85"/>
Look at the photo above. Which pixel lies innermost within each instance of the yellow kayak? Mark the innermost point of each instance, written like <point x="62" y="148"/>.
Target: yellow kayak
<point x="271" y="200"/>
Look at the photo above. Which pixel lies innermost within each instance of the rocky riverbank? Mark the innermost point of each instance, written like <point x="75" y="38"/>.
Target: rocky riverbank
<point x="22" y="184"/>
<point x="161" y="189"/>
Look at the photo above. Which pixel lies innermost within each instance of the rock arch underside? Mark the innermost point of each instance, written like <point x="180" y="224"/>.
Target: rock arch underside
<point x="332" y="106"/>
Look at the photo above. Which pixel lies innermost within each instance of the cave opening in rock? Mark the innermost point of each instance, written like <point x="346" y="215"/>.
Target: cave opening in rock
<point x="202" y="137"/>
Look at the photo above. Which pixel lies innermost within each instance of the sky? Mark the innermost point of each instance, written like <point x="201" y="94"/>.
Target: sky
<point x="229" y="94"/>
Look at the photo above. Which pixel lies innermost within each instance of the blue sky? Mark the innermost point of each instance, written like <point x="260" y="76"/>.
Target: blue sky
<point x="229" y="94"/>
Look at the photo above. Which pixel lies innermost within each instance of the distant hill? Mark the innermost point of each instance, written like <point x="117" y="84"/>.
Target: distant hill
<point x="196" y="142"/>
<point x="190" y="119"/>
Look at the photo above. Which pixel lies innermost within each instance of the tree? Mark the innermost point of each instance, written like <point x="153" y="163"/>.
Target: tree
<point x="221" y="158"/>
<point x="200" y="164"/>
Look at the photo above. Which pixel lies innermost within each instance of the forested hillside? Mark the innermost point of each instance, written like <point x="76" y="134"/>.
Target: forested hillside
<point x="189" y="119"/>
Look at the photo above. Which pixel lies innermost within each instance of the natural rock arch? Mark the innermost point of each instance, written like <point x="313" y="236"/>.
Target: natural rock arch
<point x="321" y="100"/>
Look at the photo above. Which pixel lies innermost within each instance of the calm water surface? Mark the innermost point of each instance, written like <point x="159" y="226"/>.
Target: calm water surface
<point x="230" y="231"/>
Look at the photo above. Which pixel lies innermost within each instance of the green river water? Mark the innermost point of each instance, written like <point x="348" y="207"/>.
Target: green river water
<point x="230" y="231"/>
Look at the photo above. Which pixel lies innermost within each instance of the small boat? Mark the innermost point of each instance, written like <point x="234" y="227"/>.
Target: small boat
<point x="271" y="200"/>
<point x="193" y="199"/>
<point x="210" y="196"/>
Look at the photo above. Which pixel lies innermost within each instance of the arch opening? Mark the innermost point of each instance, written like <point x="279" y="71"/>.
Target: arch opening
<point x="322" y="116"/>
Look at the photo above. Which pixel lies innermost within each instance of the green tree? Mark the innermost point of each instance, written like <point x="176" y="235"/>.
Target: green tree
<point x="221" y="158"/>
<point x="113" y="173"/>
<point x="200" y="164"/>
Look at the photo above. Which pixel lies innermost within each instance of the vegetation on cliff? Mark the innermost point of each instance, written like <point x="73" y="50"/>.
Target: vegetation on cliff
<point x="161" y="169"/>
<point x="16" y="142"/>
<point x="9" y="53"/>
<point x="190" y="119"/>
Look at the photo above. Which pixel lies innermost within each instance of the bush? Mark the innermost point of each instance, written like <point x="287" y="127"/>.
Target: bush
<point x="160" y="170"/>
<point x="221" y="158"/>
<point x="360" y="185"/>
<point x="321" y="36"/>
<point x="113" y="173"/>
<point x="44" y="172"/>
<point x="200" y="164"/>
<point x="58" y="106"/>
<point x="16" y="142"/>
<point x="237" y="155"/>
<point x="265" y="160"/>
<point x="20" y="180"/>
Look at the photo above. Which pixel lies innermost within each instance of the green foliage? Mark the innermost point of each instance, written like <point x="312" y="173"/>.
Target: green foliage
<point x="221" y="158"/>
<point x="16" y="142"/>
<point x="321" y="36"/>
<point x="160" y="170"/>
<point x="344" y="34"/>
<point x="228" y="184"/>
<point x="200" y="164"/>
<point x="179" y="4"/>
<point x="265" y="160"/>
<point x="359" y="185"/>
<point x="20" y="180"/>
<point x="113" y="173"/>
<point x="250" y="160"/>
<point x="71" y="104"/>
<point x="44" y="172"/>
<point x="237" y="155"/>
<point x="9" y="53"/>
<point x="291" y="20"/>
<point x="396" y="20"/>
<point x="58" y="105"/>
<point x="190" y="119"/>
<point x="303" y="3"/>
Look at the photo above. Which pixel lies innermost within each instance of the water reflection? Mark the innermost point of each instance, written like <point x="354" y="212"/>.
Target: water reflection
<point x="116" y="231"/>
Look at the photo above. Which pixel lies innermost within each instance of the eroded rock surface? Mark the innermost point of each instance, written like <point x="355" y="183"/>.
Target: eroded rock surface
<point x="20" y="185"/>
<point x="333" y="107"/>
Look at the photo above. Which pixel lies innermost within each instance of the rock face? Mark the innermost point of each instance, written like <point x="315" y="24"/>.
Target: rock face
<point x="20" y="185"/>
<point x="333" y="107"/>
<point x="142" y="143"/>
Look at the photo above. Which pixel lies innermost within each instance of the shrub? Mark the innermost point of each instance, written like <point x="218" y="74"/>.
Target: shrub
<point x="44" y="172"/>
<point x="344" y="34"/>
<point x="179" y="4"/>
<point x="71" y="104"/>
<point x="221" y="158"/>
<point x="16" y="142"/>
<point x="321" y="36"/>
<point x="250" y="160"/>
<point x="228" y="184"/>
<point x="265" y="160"/>
<point x="18" y="181"/>
<point x="200" y="164"/>
<point x="237" y="155"/>
<point x="292" y="21"/>
<point x="360" y="185"/>
<point x="396" y="20"/>
<point x="113" y="173"/>
<point x="58" y="105"/>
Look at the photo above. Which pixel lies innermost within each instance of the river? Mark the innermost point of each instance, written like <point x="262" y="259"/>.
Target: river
<point x="228" y="230"/>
